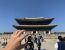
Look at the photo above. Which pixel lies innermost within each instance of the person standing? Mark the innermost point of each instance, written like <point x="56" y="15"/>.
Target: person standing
<point x="39" y="42"/>
<point x="35" y="39"/>
<point x="61" y="44"/>
<point x="29" y="44"/>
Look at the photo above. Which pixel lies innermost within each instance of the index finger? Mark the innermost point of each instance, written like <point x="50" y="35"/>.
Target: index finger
<point x="23" y="37"/>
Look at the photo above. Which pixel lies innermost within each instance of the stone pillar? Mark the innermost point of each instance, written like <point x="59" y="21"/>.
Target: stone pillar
<point x="45" y="32"/>
<point x="49" y="32"/>
<point x="36" y="32"/>
<point x="31" y="32"/>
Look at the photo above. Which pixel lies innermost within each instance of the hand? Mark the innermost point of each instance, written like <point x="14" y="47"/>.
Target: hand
<point x="15" y="41"/>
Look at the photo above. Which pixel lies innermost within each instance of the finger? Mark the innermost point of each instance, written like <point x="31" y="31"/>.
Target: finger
<point x="20" y="32"/>
<point x="22" y="37"/>
<point x="16" y="32"/>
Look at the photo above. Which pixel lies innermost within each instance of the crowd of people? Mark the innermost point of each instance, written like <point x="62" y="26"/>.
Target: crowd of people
<point x="31" y="40"/>
<point x="38" y="40"/>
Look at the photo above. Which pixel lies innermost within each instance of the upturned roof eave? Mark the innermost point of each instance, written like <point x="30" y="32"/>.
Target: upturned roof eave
<point x="31" y="19"/>
<point x="36" y="25"/>
<point x="33" y="28"/>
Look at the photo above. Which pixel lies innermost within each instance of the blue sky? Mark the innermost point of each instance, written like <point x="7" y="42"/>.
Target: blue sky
<point x="11" y="9"/>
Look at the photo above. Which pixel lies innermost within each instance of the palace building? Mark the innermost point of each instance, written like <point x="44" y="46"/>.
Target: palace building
<point x="35" y="25"/>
